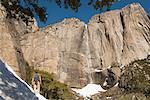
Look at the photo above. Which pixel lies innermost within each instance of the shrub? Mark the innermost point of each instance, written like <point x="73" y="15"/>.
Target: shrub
<point x="53" y="89"/>
<point x="50" y="87"/>
<point x="29" y="73"/>
<point x="136" y="77"/>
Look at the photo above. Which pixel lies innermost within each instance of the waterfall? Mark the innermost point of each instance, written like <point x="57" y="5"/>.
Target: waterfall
<point x="88" y="54"/>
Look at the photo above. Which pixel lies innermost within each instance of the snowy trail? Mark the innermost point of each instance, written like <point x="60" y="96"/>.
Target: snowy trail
<point x="13" y="87"/>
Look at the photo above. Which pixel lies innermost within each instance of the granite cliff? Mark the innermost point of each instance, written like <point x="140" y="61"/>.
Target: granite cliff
<point x="73" y="50"/>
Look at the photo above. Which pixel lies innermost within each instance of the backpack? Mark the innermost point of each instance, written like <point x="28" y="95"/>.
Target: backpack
<point x="36" y="77"/>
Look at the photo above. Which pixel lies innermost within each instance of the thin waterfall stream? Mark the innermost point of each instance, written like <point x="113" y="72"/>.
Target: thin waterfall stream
<point x="88" y="54"/>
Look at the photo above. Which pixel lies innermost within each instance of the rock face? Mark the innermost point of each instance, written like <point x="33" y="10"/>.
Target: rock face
<point x="119" y="36"/>
<point x="73" y="50"/>
<point x="57" y="49"/>
<point x="9" y="41"/>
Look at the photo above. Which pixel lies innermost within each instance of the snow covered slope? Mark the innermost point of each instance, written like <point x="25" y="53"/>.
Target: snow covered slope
<point x="89" y="90"/>
<point x="12" y="87"/>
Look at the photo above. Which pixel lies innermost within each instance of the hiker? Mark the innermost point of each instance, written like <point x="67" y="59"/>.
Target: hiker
<point x="36" y="82"/>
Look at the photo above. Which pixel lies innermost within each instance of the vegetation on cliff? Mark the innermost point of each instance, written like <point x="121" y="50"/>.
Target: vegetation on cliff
<point x="136" y="77"/>
<point x="134" y="83"/>
<point x="50" y="87"/>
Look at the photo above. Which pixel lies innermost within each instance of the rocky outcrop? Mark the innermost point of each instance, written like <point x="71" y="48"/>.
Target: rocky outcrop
<point x="12" y="31"/>
<point x="119" y="36"/>
<point x="7" y="51"/>
<point x="57" y="49"/>
<point x="107" y="78"/>
<point x="73" y="50"/>
<point x="134" y="83"/>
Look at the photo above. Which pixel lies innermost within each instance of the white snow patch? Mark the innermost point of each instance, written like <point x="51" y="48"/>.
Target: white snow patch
<point x="122" y="66"/>
<point x="116" y="84"/>
<point x="109" y="67"/>
<point x="40" y="97"/>
<point x="89" y="90"/>
<point x="105" y="83"/>
<point x="108" y="97"/>
<point x="97" y="70"/>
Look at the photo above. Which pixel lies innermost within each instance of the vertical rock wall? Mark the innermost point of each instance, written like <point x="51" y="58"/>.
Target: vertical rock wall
<point x="72" y="50"/>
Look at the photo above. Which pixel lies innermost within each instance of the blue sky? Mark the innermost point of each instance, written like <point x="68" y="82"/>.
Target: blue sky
<point x="85" y="12"/>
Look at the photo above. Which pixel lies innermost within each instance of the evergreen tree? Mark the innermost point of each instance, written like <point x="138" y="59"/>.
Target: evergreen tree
<point x="16" y="9"/>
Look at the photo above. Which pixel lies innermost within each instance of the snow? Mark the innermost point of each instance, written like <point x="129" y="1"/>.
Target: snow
<point x="89" y="90"/>
<point x="15" y="84"/>
<point x="108" y="97"/>
<point x="97" y="70"/>
<point x="105" y="83"/>
<point x="40" y="96"/>
<point x="122" y="66"/>
<point x="109" y="67"/>
<point x="116" y="84"/>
